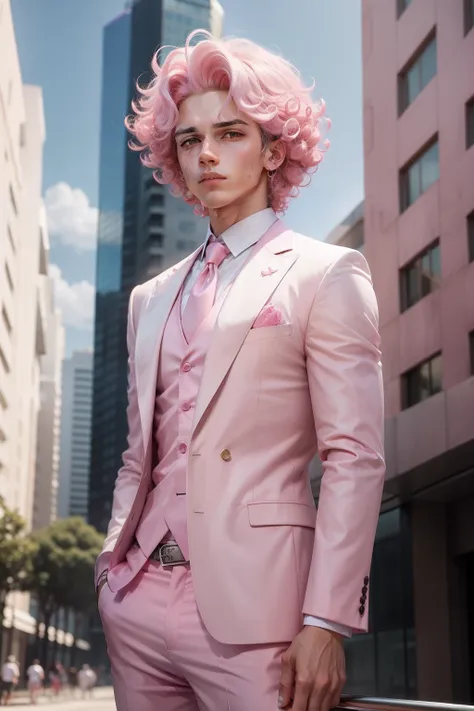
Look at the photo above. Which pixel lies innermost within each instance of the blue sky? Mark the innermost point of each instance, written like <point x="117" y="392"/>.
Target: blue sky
<point x="60" y="45"/>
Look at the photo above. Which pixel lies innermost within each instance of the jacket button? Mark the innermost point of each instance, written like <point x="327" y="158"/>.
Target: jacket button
<point x="366" y="580"/>
<point x="364" y="590"/>
<point x="363" y="600"/>
<point x="226" y="455"/>
<point x="361" y="609"/>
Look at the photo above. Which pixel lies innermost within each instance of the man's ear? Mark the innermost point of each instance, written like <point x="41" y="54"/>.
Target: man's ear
<point x="275" y="154"/>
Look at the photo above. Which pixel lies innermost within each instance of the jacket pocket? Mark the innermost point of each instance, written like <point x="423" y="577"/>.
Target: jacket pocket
<point x="263" y="333"/>
<point x="281" y="513"/>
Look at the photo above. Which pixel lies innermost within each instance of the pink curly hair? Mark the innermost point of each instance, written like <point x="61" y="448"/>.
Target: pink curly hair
<point x="263" y="85"/>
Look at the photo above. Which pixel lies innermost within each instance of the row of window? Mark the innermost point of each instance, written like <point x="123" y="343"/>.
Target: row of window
<point x="422" y="275"/>
<point x="423" y="170"/>
<point x="468" y="7"/>
<point x="425" y="379"/>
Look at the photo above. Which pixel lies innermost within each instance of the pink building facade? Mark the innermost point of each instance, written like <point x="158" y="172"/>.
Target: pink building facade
<point x="418" y="103"/>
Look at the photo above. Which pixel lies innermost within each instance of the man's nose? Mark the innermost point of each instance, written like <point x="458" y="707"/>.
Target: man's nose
<point x="209" y="153"/>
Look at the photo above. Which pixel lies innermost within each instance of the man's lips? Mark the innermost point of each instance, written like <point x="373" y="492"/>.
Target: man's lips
<point x="211" y="178"/>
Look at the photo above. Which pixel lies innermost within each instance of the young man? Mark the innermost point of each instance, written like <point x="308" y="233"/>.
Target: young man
<point x="219" y="586"/>
<point x="10" y="677"/>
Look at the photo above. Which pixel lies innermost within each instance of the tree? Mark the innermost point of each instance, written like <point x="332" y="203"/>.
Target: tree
<point x="16" y="555"/>
<point x="63" y="569"/>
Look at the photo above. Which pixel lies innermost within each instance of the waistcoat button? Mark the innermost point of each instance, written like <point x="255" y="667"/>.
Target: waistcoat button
<point x="226" y="455"/>
<point x="186" y="367"/>
<point x="186" y="406"/>
<point x="183" y="448"/>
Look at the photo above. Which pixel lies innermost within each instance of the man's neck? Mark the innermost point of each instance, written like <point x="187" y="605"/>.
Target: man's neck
<point x="220" y="220"/>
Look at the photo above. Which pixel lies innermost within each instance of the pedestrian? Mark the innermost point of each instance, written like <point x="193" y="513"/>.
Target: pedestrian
<point x="72" y="680"/>
<point x="10" y="677"/>
<point x="54" y="678"/>
<point x="219" y="586"/>
<point x="35" y="675"/>
<point x="86" y="680"/>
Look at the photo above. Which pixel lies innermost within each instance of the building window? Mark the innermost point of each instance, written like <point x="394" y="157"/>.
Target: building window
<point x="13" y="201"/>
<point x="420" y="277"/>
<point x="10" y="238"/>
<point x="470" y="123"/>
<point x="155" y="219"/>
<point x="419" y="175"/>
<point x="4" y="362"/>
<point x="468" y="15"/>
<point x="6" y="320"/>
<point x="155" y="239"/>
<point x="9" y="277"/>
<point x="470" y="235"/>
<point x="156" y="199"/>
<point x="419" y="72"/>
<point x="422" y="382"/>
<point x="402" y="6"/>
<point x="471" y="351"/>
<point x="186" y="245"/>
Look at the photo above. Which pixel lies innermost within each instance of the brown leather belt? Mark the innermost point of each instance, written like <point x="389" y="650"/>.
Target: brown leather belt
<point x="168" y="554"/>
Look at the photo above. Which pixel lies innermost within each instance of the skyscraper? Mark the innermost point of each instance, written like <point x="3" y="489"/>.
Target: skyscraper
<point x="75" y="435"/>
<point x="45" y="502"/>
<point x="142" y="228"/>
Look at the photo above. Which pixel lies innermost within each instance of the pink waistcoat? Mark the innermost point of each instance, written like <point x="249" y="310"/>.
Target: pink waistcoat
<point x="179" y="376"/>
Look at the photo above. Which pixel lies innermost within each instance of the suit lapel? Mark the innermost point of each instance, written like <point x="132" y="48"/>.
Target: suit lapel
<point x="273" y="257"/>
<point x="148" y="342"/>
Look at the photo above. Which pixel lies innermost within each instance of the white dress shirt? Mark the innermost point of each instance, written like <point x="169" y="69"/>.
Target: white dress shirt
<point x="239" y="238"/>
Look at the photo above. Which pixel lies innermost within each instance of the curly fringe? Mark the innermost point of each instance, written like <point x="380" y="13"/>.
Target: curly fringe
<point x="263" y="85"/>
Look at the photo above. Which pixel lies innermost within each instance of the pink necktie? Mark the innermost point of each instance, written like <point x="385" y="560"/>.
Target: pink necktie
<point x="203" y="293"/>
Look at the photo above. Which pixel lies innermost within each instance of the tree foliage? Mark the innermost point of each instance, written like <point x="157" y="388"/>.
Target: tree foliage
<point x="16" y="551"/>
<point x="63" y="565"/>
<point x="16" y="555"/>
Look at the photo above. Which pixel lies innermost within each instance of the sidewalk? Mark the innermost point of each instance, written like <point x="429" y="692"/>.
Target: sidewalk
<point x="102" y="700"/>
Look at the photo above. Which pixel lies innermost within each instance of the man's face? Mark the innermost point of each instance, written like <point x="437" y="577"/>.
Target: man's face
<point x="211" y="140"/>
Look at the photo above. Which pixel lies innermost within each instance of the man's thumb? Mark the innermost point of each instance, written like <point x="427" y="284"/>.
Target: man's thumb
<point x="286" y="682"/>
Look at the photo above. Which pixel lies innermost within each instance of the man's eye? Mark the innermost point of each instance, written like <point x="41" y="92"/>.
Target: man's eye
<point x="188" y="141"/>
<point x="233" y="134"/>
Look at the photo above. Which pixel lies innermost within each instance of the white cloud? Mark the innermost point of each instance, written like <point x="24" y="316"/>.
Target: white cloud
<point x="75" y="301"/>
<point x="70" y="216"/>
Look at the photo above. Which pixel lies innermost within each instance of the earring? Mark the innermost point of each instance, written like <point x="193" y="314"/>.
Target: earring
<point x="271" y="173"/>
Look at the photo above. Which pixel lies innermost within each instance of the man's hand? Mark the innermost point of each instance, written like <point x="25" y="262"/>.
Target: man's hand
<point x="313" y="671"/>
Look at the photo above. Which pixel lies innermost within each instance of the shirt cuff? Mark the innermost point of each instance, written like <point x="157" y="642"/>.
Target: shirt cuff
<point x="326" y="625"/>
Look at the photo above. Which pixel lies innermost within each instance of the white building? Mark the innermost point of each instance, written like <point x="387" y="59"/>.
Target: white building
<point x="49" y="420"/>
<point x="23" y="265"/>
<point x="75" y="435"/>
<point x="23" y="270"/>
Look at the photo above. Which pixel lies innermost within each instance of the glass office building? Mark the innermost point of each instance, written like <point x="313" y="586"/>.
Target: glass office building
<point x="142" y="228"/>
<point x="108" y="341"/>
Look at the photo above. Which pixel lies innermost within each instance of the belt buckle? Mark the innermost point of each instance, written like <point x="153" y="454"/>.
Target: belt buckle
<point x="166" y="560"/>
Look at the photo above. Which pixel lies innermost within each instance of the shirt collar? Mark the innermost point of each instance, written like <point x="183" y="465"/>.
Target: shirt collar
<point x="245" y="233"/>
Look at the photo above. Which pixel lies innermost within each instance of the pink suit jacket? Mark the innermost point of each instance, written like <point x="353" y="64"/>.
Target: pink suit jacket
<point x="270" y="399"/>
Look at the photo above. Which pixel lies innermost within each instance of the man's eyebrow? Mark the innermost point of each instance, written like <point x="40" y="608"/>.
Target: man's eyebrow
<point x="221" y="124"/>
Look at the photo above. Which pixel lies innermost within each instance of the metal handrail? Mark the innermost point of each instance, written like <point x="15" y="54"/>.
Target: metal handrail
<point x="365" y="703"/>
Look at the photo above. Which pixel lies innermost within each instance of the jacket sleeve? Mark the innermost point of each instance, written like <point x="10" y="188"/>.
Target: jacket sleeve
<point x="128" y="478"/>
<point x="345" y="379"/>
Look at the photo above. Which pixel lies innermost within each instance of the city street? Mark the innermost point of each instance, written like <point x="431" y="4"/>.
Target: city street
<point x="103" y="700"/>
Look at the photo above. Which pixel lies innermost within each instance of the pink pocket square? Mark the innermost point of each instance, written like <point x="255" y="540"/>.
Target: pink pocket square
<point x="269" y="316"/>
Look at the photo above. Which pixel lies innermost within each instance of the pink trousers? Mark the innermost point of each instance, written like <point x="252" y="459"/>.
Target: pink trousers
<point x="163" y="658"/>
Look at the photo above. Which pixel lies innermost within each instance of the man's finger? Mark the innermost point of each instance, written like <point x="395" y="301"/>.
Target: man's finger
<point x="287" y="680"/>
<point x="321" y="697"/>
<point x="302" y="695"/>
